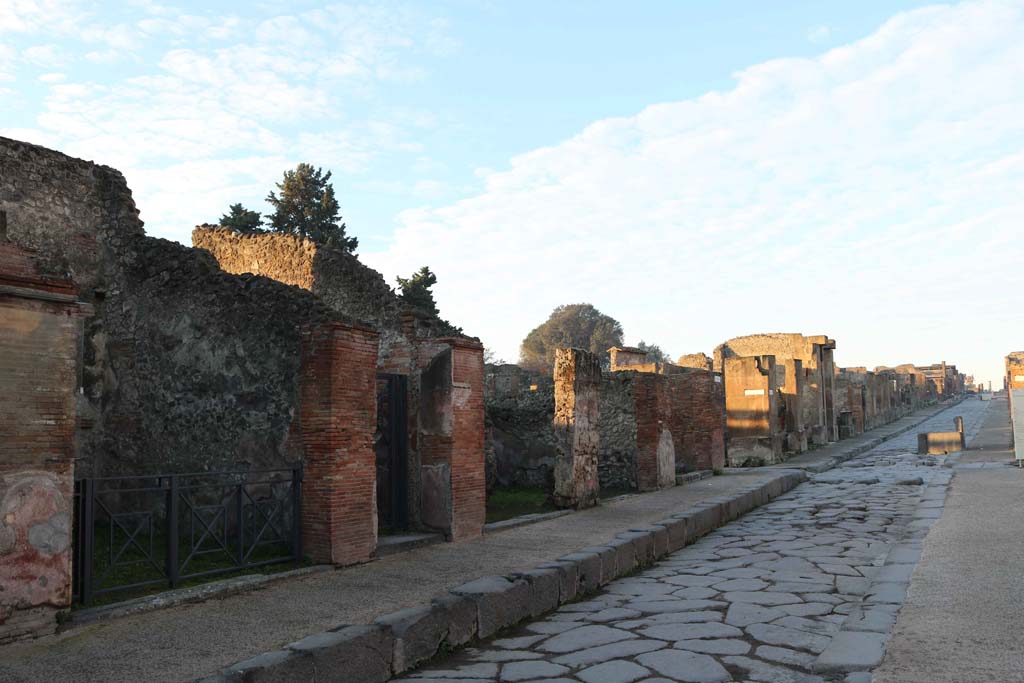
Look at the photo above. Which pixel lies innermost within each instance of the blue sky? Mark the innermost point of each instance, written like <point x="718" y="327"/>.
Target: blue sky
<point x="697" y="170"/>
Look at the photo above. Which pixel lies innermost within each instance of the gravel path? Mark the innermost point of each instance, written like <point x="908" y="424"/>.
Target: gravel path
<point x="759" y="599"/>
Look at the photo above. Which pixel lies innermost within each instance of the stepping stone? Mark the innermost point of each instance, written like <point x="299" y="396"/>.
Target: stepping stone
<point x="788" y="637"/>
<point x="523" y="671"/>
<point x="616" y="671"/>
<point x="745" y="614"/>
<point x="720" y="646"/>
<point x="584" y="637"/>
<point x="608" y="652"/>
<point x="711" y="629"/>
<point x="685" y="666"/>
<point x="761" y="597"/>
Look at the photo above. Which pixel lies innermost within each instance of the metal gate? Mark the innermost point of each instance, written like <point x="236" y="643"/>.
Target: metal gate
<point x="392" y="449"/>
<point x="160" y="530"/>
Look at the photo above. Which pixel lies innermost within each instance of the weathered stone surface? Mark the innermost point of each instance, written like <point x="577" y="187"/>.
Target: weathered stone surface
<point x="461" y="618"/>
<point x="272" y="667"/>
<point x="584" y="637"/>
<point x="685" y="666"/>
<point x="357" y="653"/>
<point x="521" y="671"/>
<point x="852" y="651"/>
<point x="417" y="632"/>
<point x="617" y="671"/>
<point x="499" y="602"/>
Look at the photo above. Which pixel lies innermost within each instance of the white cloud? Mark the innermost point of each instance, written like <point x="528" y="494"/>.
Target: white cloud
<point x="847" y="194"/>
<point x="819" y="34"/>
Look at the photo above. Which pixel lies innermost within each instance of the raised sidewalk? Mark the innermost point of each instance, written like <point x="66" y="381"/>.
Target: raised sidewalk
<point x="192" y="641"/>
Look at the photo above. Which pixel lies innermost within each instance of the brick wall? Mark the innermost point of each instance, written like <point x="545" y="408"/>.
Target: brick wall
<point x="753" y="435"/>
<point x="40" y="331"/>
<point x="336" y="415"/>
<point x="469" y="481"/>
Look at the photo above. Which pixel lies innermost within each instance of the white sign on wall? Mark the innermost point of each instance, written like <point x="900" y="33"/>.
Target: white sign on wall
<point x="754" y="392"/>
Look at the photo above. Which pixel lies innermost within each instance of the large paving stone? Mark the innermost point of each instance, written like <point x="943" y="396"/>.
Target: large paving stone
<point x="771" y="673"/>
<point x="584" y="637"/>
<point x="685" y="666"/>
<point x="711" y="629"/>
<point x="524" y="671"/>
<point x="788" y="637"/>
<point x="714" y="646"/>
<point x="761" y="597"/>
<point x="852" y="651"/>
<point x="616" y="671"/>
<point x="604" y="653"/>
<point x="745" y="614"/>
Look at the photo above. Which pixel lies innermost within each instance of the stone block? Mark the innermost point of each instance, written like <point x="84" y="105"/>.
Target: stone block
<point x="544" y="589"/>
<point x="588" y="569"/>
<point x="352" y="653"/>
<point x="643" y="542"/>
<point x="623" y="559"/>
<point x="609" y="561"/>
<point x="417" y="633"/>
<point x="281" y="666"/>
<point x="676" y="532"/>
<point x="568" y="579"/>
<point x="499" y="602"/>
<point x="461" y="615"/>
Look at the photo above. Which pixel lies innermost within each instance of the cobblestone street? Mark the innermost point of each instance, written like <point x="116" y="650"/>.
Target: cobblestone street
<point x="804" y="589"/>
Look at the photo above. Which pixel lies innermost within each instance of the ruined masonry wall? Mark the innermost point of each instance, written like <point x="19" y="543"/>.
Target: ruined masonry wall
<point x="617" y="427"/>
<point x="521" y="442"/>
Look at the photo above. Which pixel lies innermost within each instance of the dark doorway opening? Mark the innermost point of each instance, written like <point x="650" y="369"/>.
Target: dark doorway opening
<point x="391" y="444"/>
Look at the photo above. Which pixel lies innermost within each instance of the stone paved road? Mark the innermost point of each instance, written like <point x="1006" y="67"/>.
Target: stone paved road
<point x="757" y="600"/>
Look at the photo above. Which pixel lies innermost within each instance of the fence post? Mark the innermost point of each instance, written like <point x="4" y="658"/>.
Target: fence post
<point x="88" y="490"/>
<point x="172" y="532"/>
<point x="240" y="522"/>
<point x="297" y="512"/>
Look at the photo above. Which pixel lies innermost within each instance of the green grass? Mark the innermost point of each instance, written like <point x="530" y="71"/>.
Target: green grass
<point x="516" y="501"/>
<point x="132" y="567"/>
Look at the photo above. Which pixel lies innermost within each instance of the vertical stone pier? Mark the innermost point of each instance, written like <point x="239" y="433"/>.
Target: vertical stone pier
<point x="577" y="383"/>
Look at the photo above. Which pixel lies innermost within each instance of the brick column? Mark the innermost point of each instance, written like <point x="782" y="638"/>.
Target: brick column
<point x="469" y="480"/>
<point x="655" y="446"/>
<point x="577" y="383"/>
<point x="40" y="332"/>
<point x="337" y="419"/>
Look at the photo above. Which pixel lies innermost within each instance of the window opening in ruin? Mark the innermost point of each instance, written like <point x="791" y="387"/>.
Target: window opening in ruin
<point x="391" y="443"/>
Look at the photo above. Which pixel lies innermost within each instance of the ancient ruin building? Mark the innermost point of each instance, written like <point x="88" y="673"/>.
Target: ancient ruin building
<point x="40" y="337"/>
<point x="577" y="384"/>
<point x="701" y="361"/>
<point x="816" y="394"/>
<point x="947" y="380"/>
<point x="428" y="474"/>
<point x="521" y="445"/>
<point x="754" y="430"/>
<point x="185" y="367"/>
<point x="1015" y="394"/>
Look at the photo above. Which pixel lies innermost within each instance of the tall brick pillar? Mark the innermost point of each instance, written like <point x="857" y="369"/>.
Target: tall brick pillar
<point x="577" y="383"/>
<point x="40" y="333"/>
<point x="337" y="419"/>
<point x="451" y="425"/>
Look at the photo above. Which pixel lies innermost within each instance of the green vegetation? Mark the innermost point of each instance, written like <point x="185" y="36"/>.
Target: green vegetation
<point x="517" y="501"/>
<point x="576" y="325"/>
<point x="307" y="207"/>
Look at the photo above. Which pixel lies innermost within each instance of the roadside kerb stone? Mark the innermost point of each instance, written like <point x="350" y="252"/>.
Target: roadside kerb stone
<point x="643" y="542"/>
<point x="270" y="667"/>
<point x="499" y="602"/>
<point x="544" y="589"/>
<point x="568" y="579"/>
<point x="352" y="653"/>
<point x="612" y="556"/>
<point x="676" y="532"/>
<point x="460" y="613"/>
<point x="588" y="567"/>
<point x="417" y="634"/>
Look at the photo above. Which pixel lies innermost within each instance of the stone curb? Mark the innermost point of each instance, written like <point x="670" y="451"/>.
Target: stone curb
<point x="859" y="644"/>
<point x="398" y="642"/>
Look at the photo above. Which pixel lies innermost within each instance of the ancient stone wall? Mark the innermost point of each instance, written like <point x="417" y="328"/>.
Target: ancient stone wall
<point x="696" y="360"/>
<point x="40" y="335"/>
<point x="617" y="427"/>
<point x="520" y="407"/>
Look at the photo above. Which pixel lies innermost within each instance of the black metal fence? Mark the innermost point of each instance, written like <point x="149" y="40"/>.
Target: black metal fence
<point x="138" y="532"/>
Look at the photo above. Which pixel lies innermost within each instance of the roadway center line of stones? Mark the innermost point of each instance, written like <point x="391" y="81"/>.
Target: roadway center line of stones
<point x="816" y="571"/>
